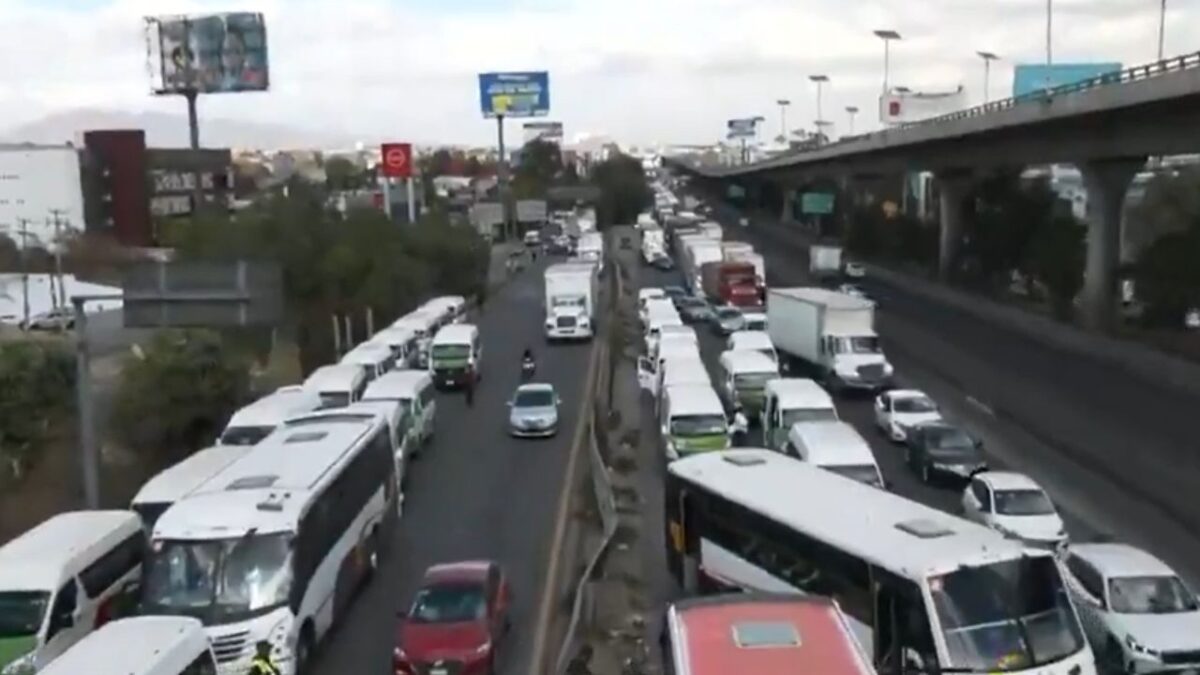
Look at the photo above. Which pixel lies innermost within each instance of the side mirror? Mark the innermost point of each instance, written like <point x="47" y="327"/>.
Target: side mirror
<point x="913" y="661"/>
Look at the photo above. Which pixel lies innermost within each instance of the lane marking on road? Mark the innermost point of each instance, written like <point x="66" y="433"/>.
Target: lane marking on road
<point x="981" y="406"/>
<point x="562" y="514"/>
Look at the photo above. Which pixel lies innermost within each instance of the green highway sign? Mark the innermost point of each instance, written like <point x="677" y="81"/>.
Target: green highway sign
<point x="816" y="203"/>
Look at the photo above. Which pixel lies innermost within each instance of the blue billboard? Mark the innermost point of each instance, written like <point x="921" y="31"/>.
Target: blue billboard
<point x="514" y="94"/>
<point x="1032" y="78"/>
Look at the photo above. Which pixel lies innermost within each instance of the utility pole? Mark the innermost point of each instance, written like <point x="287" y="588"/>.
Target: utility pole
<point x="1162" y="27"/>
<point x="23" y="223"/>
<point x="57" y="214"/>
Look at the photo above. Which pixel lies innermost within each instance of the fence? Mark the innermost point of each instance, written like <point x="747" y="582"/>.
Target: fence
<point x="597" y="451"/>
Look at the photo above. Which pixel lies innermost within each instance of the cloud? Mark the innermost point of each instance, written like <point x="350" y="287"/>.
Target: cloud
<point x="639" y="70"/>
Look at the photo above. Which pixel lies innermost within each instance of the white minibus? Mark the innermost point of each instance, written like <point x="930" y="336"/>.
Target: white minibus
<point x="338" y="385"/>
<point x="64" y="579"/>
<point x="178" y="481"/>
<point x="256" y="421"/>
<point x="692" y="420"/>
<point x="455" y="353"/>
<point x="375" y="358"/>
<point x="415" y="391"/>
<point x="144" y="645"/>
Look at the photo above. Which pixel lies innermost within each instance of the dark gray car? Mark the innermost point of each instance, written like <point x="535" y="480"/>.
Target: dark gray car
<point x="940" y="449"/>
<point x="694" y="310"/>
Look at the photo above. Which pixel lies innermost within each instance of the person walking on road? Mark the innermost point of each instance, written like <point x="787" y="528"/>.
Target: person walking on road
<point x="469" y="387"/>
<point x="740" y="426"/>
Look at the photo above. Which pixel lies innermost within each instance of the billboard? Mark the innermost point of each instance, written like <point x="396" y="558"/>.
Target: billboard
<point x="1030" y="78"/>
<point x="396" y="160"/>
<point x="551" y="132"/>
<point x="743" y="128"/>
<point x="902" y="107"/>
<point x="209" y="53"/>
<point x="514" y="94"/>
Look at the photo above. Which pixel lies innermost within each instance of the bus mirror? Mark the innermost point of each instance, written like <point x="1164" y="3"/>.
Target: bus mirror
<point x="913" y="661"/>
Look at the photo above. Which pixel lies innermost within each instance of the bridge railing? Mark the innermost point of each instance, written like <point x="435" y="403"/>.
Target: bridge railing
<point x="1133" y="74"/>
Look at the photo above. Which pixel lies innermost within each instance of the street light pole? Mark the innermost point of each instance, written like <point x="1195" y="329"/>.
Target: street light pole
<point x="887" y="36"/>
<point x="783" y="105"/>
<point x="820" y="121"/>
<point x="851" y="111"/>
<point x="1162" y="27"/>
<point x="1049" y="32"/>
<point x="987" y="57"/>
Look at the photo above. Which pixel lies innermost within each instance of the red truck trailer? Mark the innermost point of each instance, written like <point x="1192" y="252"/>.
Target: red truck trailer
<point x="731" y="283"/>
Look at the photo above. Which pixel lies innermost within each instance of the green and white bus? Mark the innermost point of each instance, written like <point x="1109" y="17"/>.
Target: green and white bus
<point x="927" y="591"/>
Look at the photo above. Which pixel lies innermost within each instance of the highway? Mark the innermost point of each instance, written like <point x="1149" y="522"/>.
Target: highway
<point x="475" y="492"/>
<point x="1113" y="451"/>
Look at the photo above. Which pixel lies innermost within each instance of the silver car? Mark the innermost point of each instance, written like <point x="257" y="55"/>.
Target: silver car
<point x="533" y="411"/>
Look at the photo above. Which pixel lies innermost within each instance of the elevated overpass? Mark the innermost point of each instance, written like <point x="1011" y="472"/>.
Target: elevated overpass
<point x="1107" y="126"/>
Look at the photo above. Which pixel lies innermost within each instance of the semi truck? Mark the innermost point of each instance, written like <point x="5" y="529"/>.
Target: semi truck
<point x="570" y="300"/>
<point x="730" y="283"/>
<point x="824" y="261"/>
<point x="832" y="334"/>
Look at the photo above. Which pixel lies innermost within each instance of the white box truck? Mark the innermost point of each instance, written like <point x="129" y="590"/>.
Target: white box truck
<point x="570" y="301"/>
<point x="824" y="261"/>
<point x="591" y="248"/>
<point x="831" y="333"/>
<point x="654" y="243"/>
<point x="696" y="252"/>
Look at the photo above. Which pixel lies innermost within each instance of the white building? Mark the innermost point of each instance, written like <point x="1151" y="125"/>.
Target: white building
<point x="35" y="182"/>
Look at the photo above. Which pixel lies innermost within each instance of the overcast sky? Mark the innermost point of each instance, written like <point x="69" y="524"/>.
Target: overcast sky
<point x="638" y="70"/>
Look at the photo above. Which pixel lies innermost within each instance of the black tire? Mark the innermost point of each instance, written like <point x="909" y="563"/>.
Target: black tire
<point x="304" y="650"/>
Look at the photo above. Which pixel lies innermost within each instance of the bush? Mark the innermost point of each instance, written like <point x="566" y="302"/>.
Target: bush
<point x="1168" y="277"/>
<point x="176" y="394"/>
<point x="37" y="383"/>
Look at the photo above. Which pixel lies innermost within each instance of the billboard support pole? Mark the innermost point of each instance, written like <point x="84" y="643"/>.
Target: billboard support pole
<point x="387" y="196"/>
<point x="194" y="135"/>
<point x="502" y="176"/>
<point x="412" y="204"/>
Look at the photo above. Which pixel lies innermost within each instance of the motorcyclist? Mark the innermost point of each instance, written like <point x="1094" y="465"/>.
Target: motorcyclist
<point x="528" y="365"/>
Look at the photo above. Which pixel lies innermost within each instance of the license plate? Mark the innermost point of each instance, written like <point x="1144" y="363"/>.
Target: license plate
<point x="438" y="671"/>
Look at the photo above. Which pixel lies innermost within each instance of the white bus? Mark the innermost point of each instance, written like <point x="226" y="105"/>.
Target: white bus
<point x="144" y="645"/>
<point x="928" y="591"/>
<point x="177" y="481"/>
<point x="273" y="547"/>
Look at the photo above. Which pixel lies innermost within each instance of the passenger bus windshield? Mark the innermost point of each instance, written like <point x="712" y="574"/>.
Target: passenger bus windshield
<point x="1023" y="503"/>
<point x="697" y="425"/>
<point x="245" y="435"/>
<point x="794" y="415"/>
<point x="451" y="351"/>
<point x="1150" y="595"/>
<point x="1006" y="615"/>
<point x="219" y="581"/>
<point x="21" y="612"/>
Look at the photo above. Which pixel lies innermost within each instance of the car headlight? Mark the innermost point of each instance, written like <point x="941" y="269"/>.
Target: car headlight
<point x="1139" y="648"/>
<point x="23" y="666"/>
<point x="887" y="368"/>
<point x="484" y="648"/>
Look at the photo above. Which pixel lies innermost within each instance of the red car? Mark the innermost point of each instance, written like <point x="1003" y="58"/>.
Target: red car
<point x="456" y="620"/>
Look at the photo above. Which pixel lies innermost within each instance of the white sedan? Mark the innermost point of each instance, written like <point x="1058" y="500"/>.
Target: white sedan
<point x="1016" y="506"/>
<point x="899" y="410"/>
<point x="1139" y="616"/>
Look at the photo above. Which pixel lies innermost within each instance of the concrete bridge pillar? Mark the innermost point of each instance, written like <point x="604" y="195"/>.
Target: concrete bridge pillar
<point x="953" y="187"/>
<point x="790" y="195"/>
<point x="1106" y="181"/>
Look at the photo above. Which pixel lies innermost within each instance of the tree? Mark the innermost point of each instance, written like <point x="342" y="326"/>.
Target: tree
<point x="624" y="192"/>
<point x="1003" y="215"/>
<point x="343" y="174"/>
<point x="36" y="383"/>
<point x="1171" y="204"/>
<point x="177" y="394"/>
<point x="539" y="168"/>
<point x="1167" y="277"/>
<point x="1056" y="259"/>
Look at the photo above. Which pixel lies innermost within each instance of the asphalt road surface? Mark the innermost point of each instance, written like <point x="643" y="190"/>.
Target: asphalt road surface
<point x="476" y="493"/>
<point x="1118" y="453"/>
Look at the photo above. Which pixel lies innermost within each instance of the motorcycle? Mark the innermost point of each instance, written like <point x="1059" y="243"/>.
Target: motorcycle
<point x="528" y="367"/>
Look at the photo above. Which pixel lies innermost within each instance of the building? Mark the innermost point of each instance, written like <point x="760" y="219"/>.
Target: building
<point x="39" y="192"/>
<point x="129" y="189"/>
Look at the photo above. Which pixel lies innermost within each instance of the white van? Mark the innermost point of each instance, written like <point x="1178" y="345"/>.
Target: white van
<point x="404" y="342"/>
<point x="790" y="400"/>
<point x="455" y="353"/>
<point x="654" y="304"/>
<point x="645" y="295"/>
<point x="414" y="390"/>
<point x="256" y="421"/>
<point x="692" y="420"/>
<point x="650" y="368"/>
<point x="752" y="341"/>
<point x="338" y="385"/>
<point x="680" y="370"/>
<point x="64" y="579"/>
<point x="655" y="325"/>
<point x="837" y="447"/>
<point x="448" y="308"/>
<point x="375" y="358"/>
<point x="144" y="645"/>
<point x="425" y="324"/>
<point x="744" y="377"/>
<point x="392" y="414"/>
<point x="178" y="481"/>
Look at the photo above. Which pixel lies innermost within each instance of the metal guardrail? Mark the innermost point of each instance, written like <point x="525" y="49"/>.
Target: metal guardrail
<point x="1133" y="74"/>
